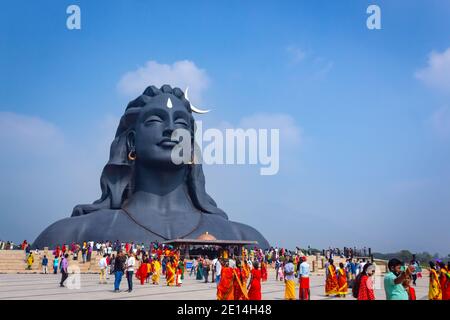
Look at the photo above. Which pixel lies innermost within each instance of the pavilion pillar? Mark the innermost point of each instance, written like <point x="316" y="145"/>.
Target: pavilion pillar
<point x="186" y="251"/>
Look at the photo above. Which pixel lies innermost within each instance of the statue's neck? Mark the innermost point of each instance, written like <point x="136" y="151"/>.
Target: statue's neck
<point x="159" y="181"/>
<point x="160" y="192"/>
<point x="161" y="203"/>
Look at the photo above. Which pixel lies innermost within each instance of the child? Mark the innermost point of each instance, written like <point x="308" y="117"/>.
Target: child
<point x="411" y="291"/>
<point x="55" y="265"/>
<point x="280" y="273"/>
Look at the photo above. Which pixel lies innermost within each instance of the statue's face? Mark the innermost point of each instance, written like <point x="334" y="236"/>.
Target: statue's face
<point x="155" y="124"/>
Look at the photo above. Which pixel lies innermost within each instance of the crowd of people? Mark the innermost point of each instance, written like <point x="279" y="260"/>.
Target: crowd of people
<point x="7" y="245"/>
<point x="240" y="276"/>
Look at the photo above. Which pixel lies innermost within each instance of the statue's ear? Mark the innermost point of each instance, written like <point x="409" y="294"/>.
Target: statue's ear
<point x="131" y="141"/>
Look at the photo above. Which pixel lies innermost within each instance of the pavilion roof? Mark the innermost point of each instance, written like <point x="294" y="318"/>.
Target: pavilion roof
<point x="210" y="242"/>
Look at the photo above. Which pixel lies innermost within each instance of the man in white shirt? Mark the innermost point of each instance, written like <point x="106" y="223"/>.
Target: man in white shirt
<point x="232" y="263"/>
<point x="103" y="264"/>
<point x="130" y="263"/>
<point x="213" y="271"/>
<point x="218" y="269"/>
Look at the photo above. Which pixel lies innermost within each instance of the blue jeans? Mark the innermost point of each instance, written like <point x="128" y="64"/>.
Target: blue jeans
<point x="130" y="280"/>
<point x="218" y="279"/>
<point x="118" y="277"/>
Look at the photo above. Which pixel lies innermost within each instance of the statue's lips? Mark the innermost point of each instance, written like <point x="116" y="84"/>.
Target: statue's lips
<point x="168" y="143"/>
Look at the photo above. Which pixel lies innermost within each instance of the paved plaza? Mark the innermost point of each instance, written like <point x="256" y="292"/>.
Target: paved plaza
<point x="41" y="286"/>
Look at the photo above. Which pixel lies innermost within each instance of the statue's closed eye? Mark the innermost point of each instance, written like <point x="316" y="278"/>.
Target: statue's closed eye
<point x="181" y="121"/>
<point x="153" y="119"/>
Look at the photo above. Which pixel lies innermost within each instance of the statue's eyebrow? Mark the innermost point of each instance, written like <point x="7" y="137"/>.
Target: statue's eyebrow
<point x="155" y="111"/>
<point x="181" y="114"/>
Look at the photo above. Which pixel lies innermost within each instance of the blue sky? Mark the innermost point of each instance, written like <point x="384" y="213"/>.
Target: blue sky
<point x="364" y="114"/>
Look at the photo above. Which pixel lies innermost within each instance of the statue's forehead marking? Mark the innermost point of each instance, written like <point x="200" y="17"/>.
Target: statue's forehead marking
<point x="169" y="103"/>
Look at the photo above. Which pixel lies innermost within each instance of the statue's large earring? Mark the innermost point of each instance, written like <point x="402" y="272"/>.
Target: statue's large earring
<point x="132" y="155"/>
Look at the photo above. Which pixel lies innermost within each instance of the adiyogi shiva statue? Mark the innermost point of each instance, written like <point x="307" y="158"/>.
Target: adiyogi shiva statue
<point x="146" y="197"/>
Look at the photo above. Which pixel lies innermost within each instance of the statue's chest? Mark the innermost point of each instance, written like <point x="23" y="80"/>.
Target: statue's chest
<point x="169" y="225"/>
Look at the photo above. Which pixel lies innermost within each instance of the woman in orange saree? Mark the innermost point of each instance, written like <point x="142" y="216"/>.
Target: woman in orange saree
<point x="263" y="271"/>
<point x="254" y="292"/>
<point x="245" y="272"/>
<point x="240" y="289"/>
<point x="171" y="272"/>
<point x="434" y="291"/>
<point x="342" y="281"/>
<point x="225" y="288"/>
<point x="156" y="269"/>
<point x="331" y="284"/>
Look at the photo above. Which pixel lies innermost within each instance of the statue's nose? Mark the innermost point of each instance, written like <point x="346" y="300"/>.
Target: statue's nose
<point x="169" y="129"/>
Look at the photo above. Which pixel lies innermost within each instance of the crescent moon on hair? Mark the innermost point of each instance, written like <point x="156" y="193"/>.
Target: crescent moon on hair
<point x="193" y="108"/>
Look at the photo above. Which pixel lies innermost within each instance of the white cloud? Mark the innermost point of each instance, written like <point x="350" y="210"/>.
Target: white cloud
<point x="19" y="131"/>
<point x="180" y="74"/>
<point x="290" y="132"/>
<point x="296" y="54"/>
<point x="440" y="122"/>
<point x="437" y="73"/>
<point x="320" y="66"/>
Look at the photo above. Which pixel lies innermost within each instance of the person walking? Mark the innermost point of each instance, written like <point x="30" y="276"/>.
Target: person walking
<point x="103" y="264"/>
<point x="393" y="280"/>
<point x="254" y="287"/>
<point x="55" y="265"/>
<point x="206" y="268"/>
<point x="45" y="265"/>
<point x="416" y="265"/>
<point x="130" y="263"/>
<point x="30" y="260"/>
<point x="277" y="267"/>
<point x="217" y="270"/>
<point x="304" y="270"/>
<point x="289" y="280"/>
<point x="342" y="281"/>
<point x="64" y="269"/>
<point x="434" y="290"/>
<point x="119" y="267"/>
<point x="363" y="285"/>
<point x="331" y="282"/>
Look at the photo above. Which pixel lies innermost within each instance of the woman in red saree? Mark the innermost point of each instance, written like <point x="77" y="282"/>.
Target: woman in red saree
<point x="365" y="284"/>
<point x="225" y="288"/>
<point x="444" y="280"/>
<point x="142" y="272"/>
<point x="57" y="251"/>
<point x="342" y="281"/>
<point x="240" y="290"/>
<point x="263" y="271"/>
<point x="254" y="290"/>
<point x="331" y="283"/>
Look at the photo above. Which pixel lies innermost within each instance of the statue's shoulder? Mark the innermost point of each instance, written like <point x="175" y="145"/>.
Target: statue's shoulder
<point x="79" y="228"/>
